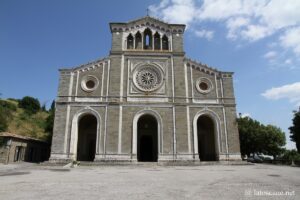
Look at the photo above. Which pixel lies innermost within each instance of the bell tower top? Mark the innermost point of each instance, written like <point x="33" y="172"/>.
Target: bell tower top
<point x="147" y="34"/>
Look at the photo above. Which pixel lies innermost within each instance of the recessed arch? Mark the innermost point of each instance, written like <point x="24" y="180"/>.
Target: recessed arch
<point x="158" y="119"/>
<point x="75" y="127"/>
<point x="215" y="120"/>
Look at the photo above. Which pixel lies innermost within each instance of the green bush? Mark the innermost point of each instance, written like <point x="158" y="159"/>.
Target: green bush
<point x="30" y="105"/>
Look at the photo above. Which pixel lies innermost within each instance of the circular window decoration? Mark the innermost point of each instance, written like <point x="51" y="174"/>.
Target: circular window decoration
<point x="148" y="78"/>
<point x="89" y="83"/>
<point x="204" y="85"/>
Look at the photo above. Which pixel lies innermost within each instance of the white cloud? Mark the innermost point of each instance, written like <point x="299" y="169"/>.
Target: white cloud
<point x="205" y="34"/>
<point x="234" y="25"/>
<point x="270" y="54"/>
<point x="249" y="20"/>
<point x="291" y="39"/>
<point x="281" y="13"/>
<point x="175" y="11"/>
<point x="255" y="32"/>
<point x="219" y="10"/>
<point x="290" y="92"/>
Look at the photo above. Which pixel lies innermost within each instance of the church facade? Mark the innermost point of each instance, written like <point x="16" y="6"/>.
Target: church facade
<point x="146" y="101"/>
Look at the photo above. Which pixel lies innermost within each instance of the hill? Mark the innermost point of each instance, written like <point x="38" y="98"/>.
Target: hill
<point x="15" y="119"/>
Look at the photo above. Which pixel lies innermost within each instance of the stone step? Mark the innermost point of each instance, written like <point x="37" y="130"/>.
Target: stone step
<point x="149" y="164"/>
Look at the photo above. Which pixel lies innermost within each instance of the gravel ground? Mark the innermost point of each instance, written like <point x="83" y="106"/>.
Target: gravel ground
<point x="35" y="182"/>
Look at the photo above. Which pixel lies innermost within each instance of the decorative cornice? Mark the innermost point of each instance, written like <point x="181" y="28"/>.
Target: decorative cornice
<point x="86" y="67"/>
<point x="206" y="69"/>
<point x="147" y="22"/>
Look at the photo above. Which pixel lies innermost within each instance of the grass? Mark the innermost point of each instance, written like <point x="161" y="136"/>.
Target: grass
<point x="31" y="125"/>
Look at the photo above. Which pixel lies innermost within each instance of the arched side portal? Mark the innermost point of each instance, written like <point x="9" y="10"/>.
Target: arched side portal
<point x="206" y="139"/>
<point x="75" y="131"/>
<point x="206" y="136"/>
<point x="87" y="134"/>
<point x="142" y="132"/>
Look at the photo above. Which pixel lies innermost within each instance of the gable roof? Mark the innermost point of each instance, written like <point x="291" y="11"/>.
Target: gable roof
<point x="13" y="135"/>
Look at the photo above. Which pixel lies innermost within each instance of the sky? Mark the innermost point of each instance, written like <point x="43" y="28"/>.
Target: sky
<point x="258" y="40"/>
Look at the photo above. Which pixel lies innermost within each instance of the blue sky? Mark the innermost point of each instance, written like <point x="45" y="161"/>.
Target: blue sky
<point x="259" y="40"/>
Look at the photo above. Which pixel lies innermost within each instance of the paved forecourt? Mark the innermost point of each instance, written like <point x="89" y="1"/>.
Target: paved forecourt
<point x="29" y="181"/>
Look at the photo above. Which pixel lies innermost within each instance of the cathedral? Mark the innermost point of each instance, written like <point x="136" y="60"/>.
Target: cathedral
<point x="145" y="102"/>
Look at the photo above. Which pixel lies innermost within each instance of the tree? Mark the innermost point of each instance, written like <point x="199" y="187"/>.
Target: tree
<point x="43" y="108"/>
<point x="258" y="138"/>
<point x="295" y="130"/>
<point x="30" y="105"/>
<point x="273" y="140"/>
<point x="50" y="121"/>
<point x="248" y="131"/>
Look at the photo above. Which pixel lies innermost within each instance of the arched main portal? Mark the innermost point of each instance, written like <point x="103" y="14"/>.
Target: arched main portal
<point x="206" y="139"/>
<point x="87" y="135"/>
<point x="147" y="139"/>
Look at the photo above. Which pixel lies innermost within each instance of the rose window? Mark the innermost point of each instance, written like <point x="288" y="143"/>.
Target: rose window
<point x="148" y="78"/>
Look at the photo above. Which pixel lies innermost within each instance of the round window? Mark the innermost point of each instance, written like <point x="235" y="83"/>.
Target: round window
<point x="204" y="85"/>
<point x="148" y="78"/>
<point x="89" y="83"/>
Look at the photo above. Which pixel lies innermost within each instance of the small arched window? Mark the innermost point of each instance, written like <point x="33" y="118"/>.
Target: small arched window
<point x="147" y="39"/>
<point x="165" y="43"/>
<point x="157" y="41"/>
<point x="138" y="40"/>
<point x="130" y="42"/>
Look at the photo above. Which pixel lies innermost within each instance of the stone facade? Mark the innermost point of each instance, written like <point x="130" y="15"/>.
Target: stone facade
<point x="146" y="74"/>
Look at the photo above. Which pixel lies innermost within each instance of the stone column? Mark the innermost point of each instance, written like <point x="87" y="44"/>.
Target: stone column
<point x="142" y="40"/>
